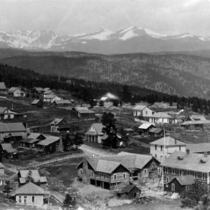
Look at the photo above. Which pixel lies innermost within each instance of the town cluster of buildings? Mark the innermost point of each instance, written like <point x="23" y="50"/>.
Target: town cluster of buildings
<point x="147" y="114"/>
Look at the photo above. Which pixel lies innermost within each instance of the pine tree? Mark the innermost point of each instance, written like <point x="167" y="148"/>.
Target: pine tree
<point x="7" y="188"/>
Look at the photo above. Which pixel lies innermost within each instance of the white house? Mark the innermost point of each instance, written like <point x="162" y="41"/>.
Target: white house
<point x="164" y="147"/>
<point x="6" y="113"/>
<point x="30" y="194"/>
<point x="94" y="133"/>
<point x="142" y="111"/>
<point x="161" y="118"/>
<point x="16" y="92"/>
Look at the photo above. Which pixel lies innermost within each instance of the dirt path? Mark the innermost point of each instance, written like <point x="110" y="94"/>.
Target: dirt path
<point x="91" y="151"/>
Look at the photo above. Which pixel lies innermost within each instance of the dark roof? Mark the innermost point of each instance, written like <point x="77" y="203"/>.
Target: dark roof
<point x="30" y="189"/>
<point x="184" y="180"/>
<point x="127" y="189"/>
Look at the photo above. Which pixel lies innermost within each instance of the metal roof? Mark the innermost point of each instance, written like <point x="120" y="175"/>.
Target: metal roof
<point x="49" y="140"/>
<point x="8" y="127"/>
<point x="145" y="125"/>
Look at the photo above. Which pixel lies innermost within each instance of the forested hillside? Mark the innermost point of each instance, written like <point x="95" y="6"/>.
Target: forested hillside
<point x="181" y="74"/>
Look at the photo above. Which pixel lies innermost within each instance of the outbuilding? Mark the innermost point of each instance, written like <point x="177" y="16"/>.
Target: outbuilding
<point x="129" y="192"/>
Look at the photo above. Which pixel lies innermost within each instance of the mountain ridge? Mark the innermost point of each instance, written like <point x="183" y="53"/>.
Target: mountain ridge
<point x="104" y="41"/>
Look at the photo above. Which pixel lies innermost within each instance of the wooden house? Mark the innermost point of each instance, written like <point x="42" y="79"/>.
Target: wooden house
<point x="94" y="133"/>
<point x="84" y="112"/>
<point x="38" y="103"/>
<point x="3" y="89"/>
<point x="59" y="125"/>
<point x="16" y="92"/>
<point x="179" y="184"/>
<point x="165" y="146"/>
<point x="108" y="171"/>
<point x="180" y="164"/>
<point x="156" y="132"/>
<point x="31" y="194"/>
<point x="161" y="118"/>
<point x="142" y="111"/>
<point x="6" y="113"/>
<point x="37" y="179"/>
<point x="8" y="151"/>
<point x="195" y="125"/>
<point x="50" y="144"/>
<point x="12" y="131"/>
<point x="129" y="192"/>
<point x="145" y="127"/>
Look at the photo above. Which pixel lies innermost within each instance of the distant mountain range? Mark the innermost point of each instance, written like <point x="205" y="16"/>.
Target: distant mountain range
<point x="128" y="40"/>
<point x="184" y="74"/>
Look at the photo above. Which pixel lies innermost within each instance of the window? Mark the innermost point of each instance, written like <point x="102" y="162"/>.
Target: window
<point x="146" y="112"/>
<point x="124" y="176"/>
<point x="19" y="199"/>
<point x="155" y="147"/>
<point x="32" y="199"/>
<point x="173" y="187"/>
<point x="155" y="155"/>
<point x="115" y="176"/>
<point x="25" y="199"/>
<point x="167" y="179"/>
<point x="180" y="172"/>
<point x="145" y="171"/>
<point x="161" y="148"/>
<point x="204" y="176"/>
<point x="173" y="171"/>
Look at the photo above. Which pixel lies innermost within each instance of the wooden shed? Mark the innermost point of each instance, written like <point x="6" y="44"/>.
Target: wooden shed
<point x="129" y="192"/>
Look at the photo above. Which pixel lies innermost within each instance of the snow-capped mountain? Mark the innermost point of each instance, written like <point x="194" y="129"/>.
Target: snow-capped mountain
<point x="128" y="40"/>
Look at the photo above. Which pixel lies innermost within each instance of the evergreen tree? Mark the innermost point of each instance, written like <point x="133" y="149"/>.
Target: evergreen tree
<point x="69" y="202"/>
<point x="7" y="188"/>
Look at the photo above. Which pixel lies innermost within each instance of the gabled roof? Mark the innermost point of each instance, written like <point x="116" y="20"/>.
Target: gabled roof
<point x="184" y="180"/>
<point x="57" y="121"/>
<point x="2" y="86"/>
<point x="195" y="117"/>
<point x="34" y="174"/>
<point x="8" y="148"/>
<point x="3" y="109"/>
<point x="83" y="110"/>
<point x="160" y="115"/>
<point x="103" y="98"/>
<point x="127" y="189"/>
<point x="49" y="96"/>
<point x="155" y="130"/>
<point x="49" y="140"/>
<point x="130" y="160"/>
<point x="36" y="101"/>
<point x="8" y="127"/>
<point x="98" y="128"/>
<point x="168" y="141"/>
<point x="30" y="189"/>
<point x="13" y="89"/>
<point x="192" y="161"/>
<point x="35" y="135"/>
<point x="145" y="125"/>
<point x="1" y="165"/>
<point x="139" y="107"/>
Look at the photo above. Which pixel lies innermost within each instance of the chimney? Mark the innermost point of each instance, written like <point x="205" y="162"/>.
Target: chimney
<point x="187" y="151"/>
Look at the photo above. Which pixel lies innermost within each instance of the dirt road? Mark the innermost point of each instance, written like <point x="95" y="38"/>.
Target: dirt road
<point x="91" y="151"/>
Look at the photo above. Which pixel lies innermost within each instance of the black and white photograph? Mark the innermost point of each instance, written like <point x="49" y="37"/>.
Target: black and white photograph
<point x="104" y="104"/>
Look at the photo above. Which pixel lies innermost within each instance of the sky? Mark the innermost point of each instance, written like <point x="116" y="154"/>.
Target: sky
<point x="168" y="17"/>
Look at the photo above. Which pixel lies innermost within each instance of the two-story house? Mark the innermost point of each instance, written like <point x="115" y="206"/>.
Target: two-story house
<point x="59" y="125"/>
<point x="164" y="147"/>
<point x="180" y="164"/>
<point x="142" y="111"/>
<point x="94" y="133"/>
<point x="161" y="118"/>
<point x="108" y="171"/>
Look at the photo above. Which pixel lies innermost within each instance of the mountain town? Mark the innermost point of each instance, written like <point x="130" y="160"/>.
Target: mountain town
<point x="104" y="105"/>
